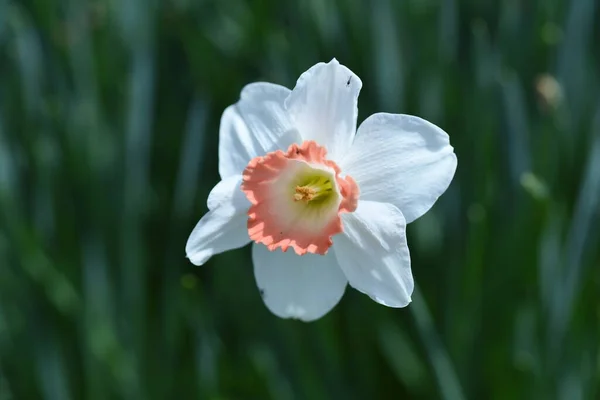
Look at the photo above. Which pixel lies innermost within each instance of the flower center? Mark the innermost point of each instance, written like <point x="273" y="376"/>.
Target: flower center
<point x="297" y="198"/>
<point x="317" y="189"/>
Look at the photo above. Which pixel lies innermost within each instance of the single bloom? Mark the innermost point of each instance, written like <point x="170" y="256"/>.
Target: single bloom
<point x="324" y="203"/>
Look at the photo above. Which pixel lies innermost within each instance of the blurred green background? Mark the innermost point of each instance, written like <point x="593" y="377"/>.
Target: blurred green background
<point x="109" y="116"/>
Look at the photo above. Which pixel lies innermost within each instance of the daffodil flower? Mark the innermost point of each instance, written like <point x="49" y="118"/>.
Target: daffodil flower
<point x="325" y="205"/>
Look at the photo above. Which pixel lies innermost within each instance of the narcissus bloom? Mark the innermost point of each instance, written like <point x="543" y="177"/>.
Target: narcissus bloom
<point x="325" y="204"/>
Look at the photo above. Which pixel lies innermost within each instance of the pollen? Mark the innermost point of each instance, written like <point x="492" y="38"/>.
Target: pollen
<point x="317" y="187"/>
<point x="304" y="193"/>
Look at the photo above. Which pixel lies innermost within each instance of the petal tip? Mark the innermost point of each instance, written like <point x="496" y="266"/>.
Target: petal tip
<point x="198" y="259"/>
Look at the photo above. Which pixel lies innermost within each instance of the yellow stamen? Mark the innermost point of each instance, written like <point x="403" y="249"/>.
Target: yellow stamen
<point x="304" y="193"/>
<point x="319" y="187"/>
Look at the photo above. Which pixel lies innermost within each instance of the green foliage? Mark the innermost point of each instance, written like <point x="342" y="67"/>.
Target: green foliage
<point x="109" y="114"/>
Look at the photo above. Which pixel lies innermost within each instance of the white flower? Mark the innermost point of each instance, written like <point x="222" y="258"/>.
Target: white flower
<point x="297" y="175"/>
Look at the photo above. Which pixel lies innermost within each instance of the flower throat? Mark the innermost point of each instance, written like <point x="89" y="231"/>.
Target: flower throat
<point x="316" y="189"/>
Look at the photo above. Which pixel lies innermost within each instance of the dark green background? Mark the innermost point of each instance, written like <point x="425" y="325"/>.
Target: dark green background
<point x="109" y="116"/>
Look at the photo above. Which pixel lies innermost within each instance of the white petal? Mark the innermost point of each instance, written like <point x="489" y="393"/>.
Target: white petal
<point x="302" y="287"/>
<point x="224" y="227"/>
<point x="225" y="191"/>
<point x="252" y="126"/>
<point x="402" y="160"/>
<point x="323" y="106"/>
<point x="374" y="255"/>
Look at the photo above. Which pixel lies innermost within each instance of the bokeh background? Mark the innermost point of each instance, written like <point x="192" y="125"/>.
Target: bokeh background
<point x="109" y="116"/>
